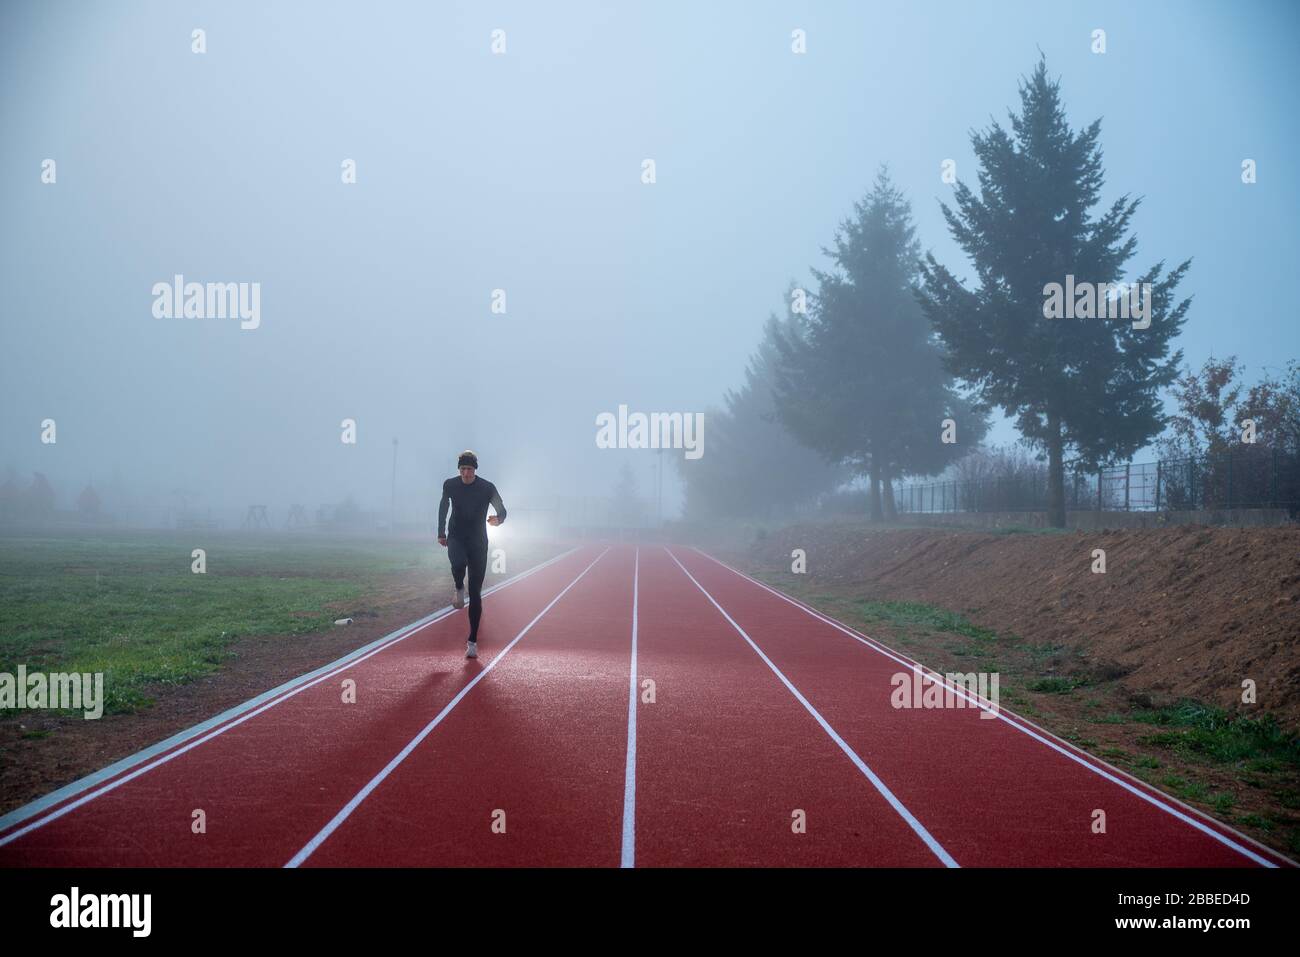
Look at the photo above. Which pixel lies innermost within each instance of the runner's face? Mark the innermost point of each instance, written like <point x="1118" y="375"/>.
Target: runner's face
<point x="467" y="474"/>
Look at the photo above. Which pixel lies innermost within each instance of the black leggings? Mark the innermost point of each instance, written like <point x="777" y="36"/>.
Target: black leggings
<point x="473" y="554"/>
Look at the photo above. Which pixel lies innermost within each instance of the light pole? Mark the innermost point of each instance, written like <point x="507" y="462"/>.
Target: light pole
<point x="392" y="520"/>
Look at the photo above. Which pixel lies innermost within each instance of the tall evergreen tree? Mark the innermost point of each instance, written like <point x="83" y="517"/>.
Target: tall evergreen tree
<point x="863" y="381"/>
<point x="1085" y="385"/>
<point x="39" y="497"/>
<point x="754" y="466"/>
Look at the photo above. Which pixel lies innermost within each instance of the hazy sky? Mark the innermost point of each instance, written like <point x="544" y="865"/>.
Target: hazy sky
<point x="522" y="172"/>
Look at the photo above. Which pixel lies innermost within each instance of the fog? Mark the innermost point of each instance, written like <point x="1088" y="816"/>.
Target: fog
<point x="522" y="172"/>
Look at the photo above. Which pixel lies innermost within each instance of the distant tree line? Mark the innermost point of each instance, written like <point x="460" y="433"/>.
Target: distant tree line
<point x="34" y="502"/>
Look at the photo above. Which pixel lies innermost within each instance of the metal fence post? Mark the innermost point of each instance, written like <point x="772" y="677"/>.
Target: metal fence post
<point x="1158" y="463"/>
<point x="1127" y="467"/>
<point x="1272" y="485"/>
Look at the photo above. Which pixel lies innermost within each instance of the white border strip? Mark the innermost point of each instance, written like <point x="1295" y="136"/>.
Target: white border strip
<point x="628" y="858"/>
<point x="274" y="697"/>
<point x="879" y="785"/>
<point x="1100" y="771"/>
<point x="378" y="779"/>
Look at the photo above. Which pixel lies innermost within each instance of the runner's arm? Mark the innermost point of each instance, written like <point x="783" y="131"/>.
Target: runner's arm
<point x="442" y="512"/>
<point x="497" y="504"/>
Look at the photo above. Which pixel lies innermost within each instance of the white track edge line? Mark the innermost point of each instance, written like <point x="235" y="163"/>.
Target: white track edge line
<point x="628" y="856"/>
<point x="276" y="695"/>
<point x="917" y="827"/>
<point x="311" y="846"/>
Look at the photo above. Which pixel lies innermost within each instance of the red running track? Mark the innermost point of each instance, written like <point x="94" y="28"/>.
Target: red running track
<point x="634" y="706"/>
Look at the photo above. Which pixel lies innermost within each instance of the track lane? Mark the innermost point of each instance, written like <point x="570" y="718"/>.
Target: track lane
<point x="528" y="768"/>
<point x="722" y="758"/>
<point x="726" y="755"/>
<point x="990" y="793"/>
<point x="266" y="785"/>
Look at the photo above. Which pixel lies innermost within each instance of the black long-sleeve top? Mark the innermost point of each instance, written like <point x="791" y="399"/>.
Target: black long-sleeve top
<point x="469" y="508"/>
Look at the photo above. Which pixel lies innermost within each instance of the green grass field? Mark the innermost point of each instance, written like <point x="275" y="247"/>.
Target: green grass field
<point x="128" y="604"/>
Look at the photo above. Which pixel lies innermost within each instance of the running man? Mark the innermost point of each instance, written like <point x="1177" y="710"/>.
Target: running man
<point x="466" y="540"/>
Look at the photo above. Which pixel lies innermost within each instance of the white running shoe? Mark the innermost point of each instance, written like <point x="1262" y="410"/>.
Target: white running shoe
<point x="471" y="649"/>
<point x="459" y="600"/>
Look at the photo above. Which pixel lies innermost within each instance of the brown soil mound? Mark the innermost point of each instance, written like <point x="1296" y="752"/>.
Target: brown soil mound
<point x="1186" y="612"/>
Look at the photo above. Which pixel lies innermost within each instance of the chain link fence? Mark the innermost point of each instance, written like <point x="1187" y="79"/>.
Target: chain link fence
<point x="1240" y="478"/>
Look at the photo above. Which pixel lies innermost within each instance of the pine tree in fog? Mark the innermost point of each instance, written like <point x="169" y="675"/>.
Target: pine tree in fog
<point x="863" y="380"/>
<point x="754" y="465"/>
<point x="1087" y="386"/>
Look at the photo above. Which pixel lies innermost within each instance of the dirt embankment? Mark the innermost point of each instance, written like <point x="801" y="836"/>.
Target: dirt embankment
<point x="1187" y="612"/>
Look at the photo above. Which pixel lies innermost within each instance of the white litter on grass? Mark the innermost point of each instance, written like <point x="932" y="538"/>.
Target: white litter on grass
<point x="343" y="621"/>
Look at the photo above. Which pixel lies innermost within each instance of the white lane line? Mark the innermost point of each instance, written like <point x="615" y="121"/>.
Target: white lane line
<point x="310" y="847"/>
<point x="266" y="700"/>
<point x="629" y="776"/>
<point x="958" y="689"/>
<point x="861" y="765"/>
